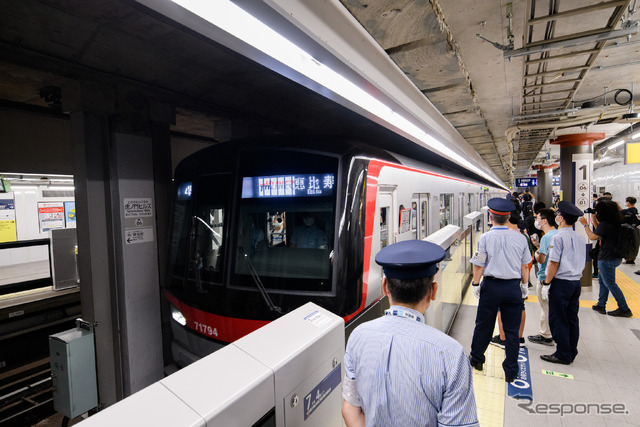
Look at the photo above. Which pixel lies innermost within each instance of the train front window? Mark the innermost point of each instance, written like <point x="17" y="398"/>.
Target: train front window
<point x="285" y="232"/>
<point x="208" y="231"/>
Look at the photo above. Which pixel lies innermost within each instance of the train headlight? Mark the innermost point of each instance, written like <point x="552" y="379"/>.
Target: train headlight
<point x="177" y="316"/>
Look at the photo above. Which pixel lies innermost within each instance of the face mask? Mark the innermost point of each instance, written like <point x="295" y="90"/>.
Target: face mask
<point x="537" y="224"/>
<point x="308" y="222"/>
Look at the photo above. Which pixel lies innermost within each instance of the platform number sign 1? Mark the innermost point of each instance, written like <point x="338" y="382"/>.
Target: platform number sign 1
<point x="582" y="180"/>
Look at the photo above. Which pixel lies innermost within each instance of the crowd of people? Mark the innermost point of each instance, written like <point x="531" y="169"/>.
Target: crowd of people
<point x="400" y="371"/>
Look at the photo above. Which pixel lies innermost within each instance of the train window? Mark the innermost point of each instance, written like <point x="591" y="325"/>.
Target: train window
<point x="282" y="243"/>
<point x="285" y="222"/>
<point x="424" y="218"/>
<point x="470" y="207"/>
<point x="414" y="216"/>
<point x="446" y="209"/>
<point x="384" y="227"/>
<point x="208" y="231"/>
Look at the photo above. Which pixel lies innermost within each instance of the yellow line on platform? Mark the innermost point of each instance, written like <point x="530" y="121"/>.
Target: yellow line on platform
<point x="489" y="387"/>
<point x="631" y="290"/>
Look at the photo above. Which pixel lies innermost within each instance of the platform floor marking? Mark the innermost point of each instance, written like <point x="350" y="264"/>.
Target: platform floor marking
<point x="631" y="290"/>
<point x="24" y="293"/>
<point x="557" y="374"/>
<point x="489" y="387"/>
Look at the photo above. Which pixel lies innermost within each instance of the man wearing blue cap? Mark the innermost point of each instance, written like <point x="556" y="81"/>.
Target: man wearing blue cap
<point x="567" y="255"/>
<point x="398" y="370"/>
<point x="503" y="260"/>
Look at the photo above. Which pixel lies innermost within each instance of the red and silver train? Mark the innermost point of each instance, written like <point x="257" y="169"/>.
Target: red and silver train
<point x="262" y="226"/>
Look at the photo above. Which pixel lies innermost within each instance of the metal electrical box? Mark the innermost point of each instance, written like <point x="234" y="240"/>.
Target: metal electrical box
<point x="73" y="370"/>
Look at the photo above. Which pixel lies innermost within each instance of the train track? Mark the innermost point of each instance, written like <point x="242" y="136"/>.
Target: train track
<point x="26" y="322"/>
<point x="26" y="394"/>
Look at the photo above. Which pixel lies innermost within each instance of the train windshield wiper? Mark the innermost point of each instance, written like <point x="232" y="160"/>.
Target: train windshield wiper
<point x="258" y="282"/>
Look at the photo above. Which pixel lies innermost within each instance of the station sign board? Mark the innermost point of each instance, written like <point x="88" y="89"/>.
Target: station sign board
<point x="526" y="182"/>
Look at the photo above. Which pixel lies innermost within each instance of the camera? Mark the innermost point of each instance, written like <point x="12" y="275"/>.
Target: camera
<point x="590" y="211"/>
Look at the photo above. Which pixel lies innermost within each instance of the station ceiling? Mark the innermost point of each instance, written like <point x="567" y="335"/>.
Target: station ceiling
<point x="508" y="75"/>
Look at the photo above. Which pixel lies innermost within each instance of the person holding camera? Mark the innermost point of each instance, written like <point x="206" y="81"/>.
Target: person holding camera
<point x="608" y="220"/>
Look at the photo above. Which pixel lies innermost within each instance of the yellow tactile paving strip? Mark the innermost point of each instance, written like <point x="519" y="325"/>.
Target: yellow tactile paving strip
<point x="489" y="387"/>
<point x="631" y="291"/>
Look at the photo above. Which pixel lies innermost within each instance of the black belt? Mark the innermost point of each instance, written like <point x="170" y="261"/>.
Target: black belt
<point x="504" y="280"/>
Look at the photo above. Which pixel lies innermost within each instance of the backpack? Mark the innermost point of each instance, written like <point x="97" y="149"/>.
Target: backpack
<point x="631" y="218"/>
<point x="628" y="242"/>
<point x="527" y="209"/>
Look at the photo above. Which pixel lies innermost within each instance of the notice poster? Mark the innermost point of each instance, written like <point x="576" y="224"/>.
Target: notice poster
<point x="7" y="218"/>
<point x="50" y="215"/>
<point x="405" y="215"/>
<point x="70" y="214"/>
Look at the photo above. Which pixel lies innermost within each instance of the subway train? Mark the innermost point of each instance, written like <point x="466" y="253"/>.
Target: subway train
<point x="262" y="226"/>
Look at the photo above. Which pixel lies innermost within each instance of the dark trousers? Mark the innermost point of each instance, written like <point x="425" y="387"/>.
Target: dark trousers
<point x="504" y="295"/>
<point x="564" y="299"/>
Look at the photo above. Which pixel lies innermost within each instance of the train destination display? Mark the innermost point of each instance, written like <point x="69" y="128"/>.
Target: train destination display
<point x="302" y="185"/>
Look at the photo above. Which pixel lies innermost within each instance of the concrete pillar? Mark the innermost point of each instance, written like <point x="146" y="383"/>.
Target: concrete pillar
<point x="117" y="235"/>
<point x="545" y="184"/>
<point x="89" y="106"/>
<point x="576" y="167"/>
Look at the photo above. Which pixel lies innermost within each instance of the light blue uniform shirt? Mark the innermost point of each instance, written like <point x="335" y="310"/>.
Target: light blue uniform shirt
<point x="568" y="248"/>
<point x="544" y="249"/>
<point x="502" y="252"/>
<point x="409" y="374"/>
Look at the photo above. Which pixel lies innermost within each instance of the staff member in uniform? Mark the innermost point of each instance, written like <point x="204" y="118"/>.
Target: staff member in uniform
<point x="503" y="259"/>
<point x="567" y="255"/>
<point x="398" y="370"/>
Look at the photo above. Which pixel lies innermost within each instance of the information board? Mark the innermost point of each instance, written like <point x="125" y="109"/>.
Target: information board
<point x="526" y="182"/>
<point x="50" y="215"/>
<point x="7" y="218"/>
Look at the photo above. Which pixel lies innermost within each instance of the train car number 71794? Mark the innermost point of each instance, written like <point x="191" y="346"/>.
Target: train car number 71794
<point x="205" y="329"/>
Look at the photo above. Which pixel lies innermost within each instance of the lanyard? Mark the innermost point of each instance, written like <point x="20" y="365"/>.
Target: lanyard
<point x="403" y="313"/>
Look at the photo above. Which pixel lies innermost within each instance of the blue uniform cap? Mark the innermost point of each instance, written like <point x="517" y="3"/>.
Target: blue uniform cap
<point x="410" y="259"/>
<point x="569" y="210"/>
<point x="500" y="206"/>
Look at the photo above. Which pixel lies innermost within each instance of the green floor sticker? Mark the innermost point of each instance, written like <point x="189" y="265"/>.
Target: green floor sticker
<point x="557" y="374"/>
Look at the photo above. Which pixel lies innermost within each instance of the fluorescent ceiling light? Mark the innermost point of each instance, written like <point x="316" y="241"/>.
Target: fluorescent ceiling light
<point x="61" y="188"/>
<point x="617" y="144"/>
<point x="237" y="22"/>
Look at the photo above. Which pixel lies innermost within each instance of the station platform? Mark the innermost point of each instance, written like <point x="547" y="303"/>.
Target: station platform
<point x="605" y="373"/>
<point x="606" y="370"/>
